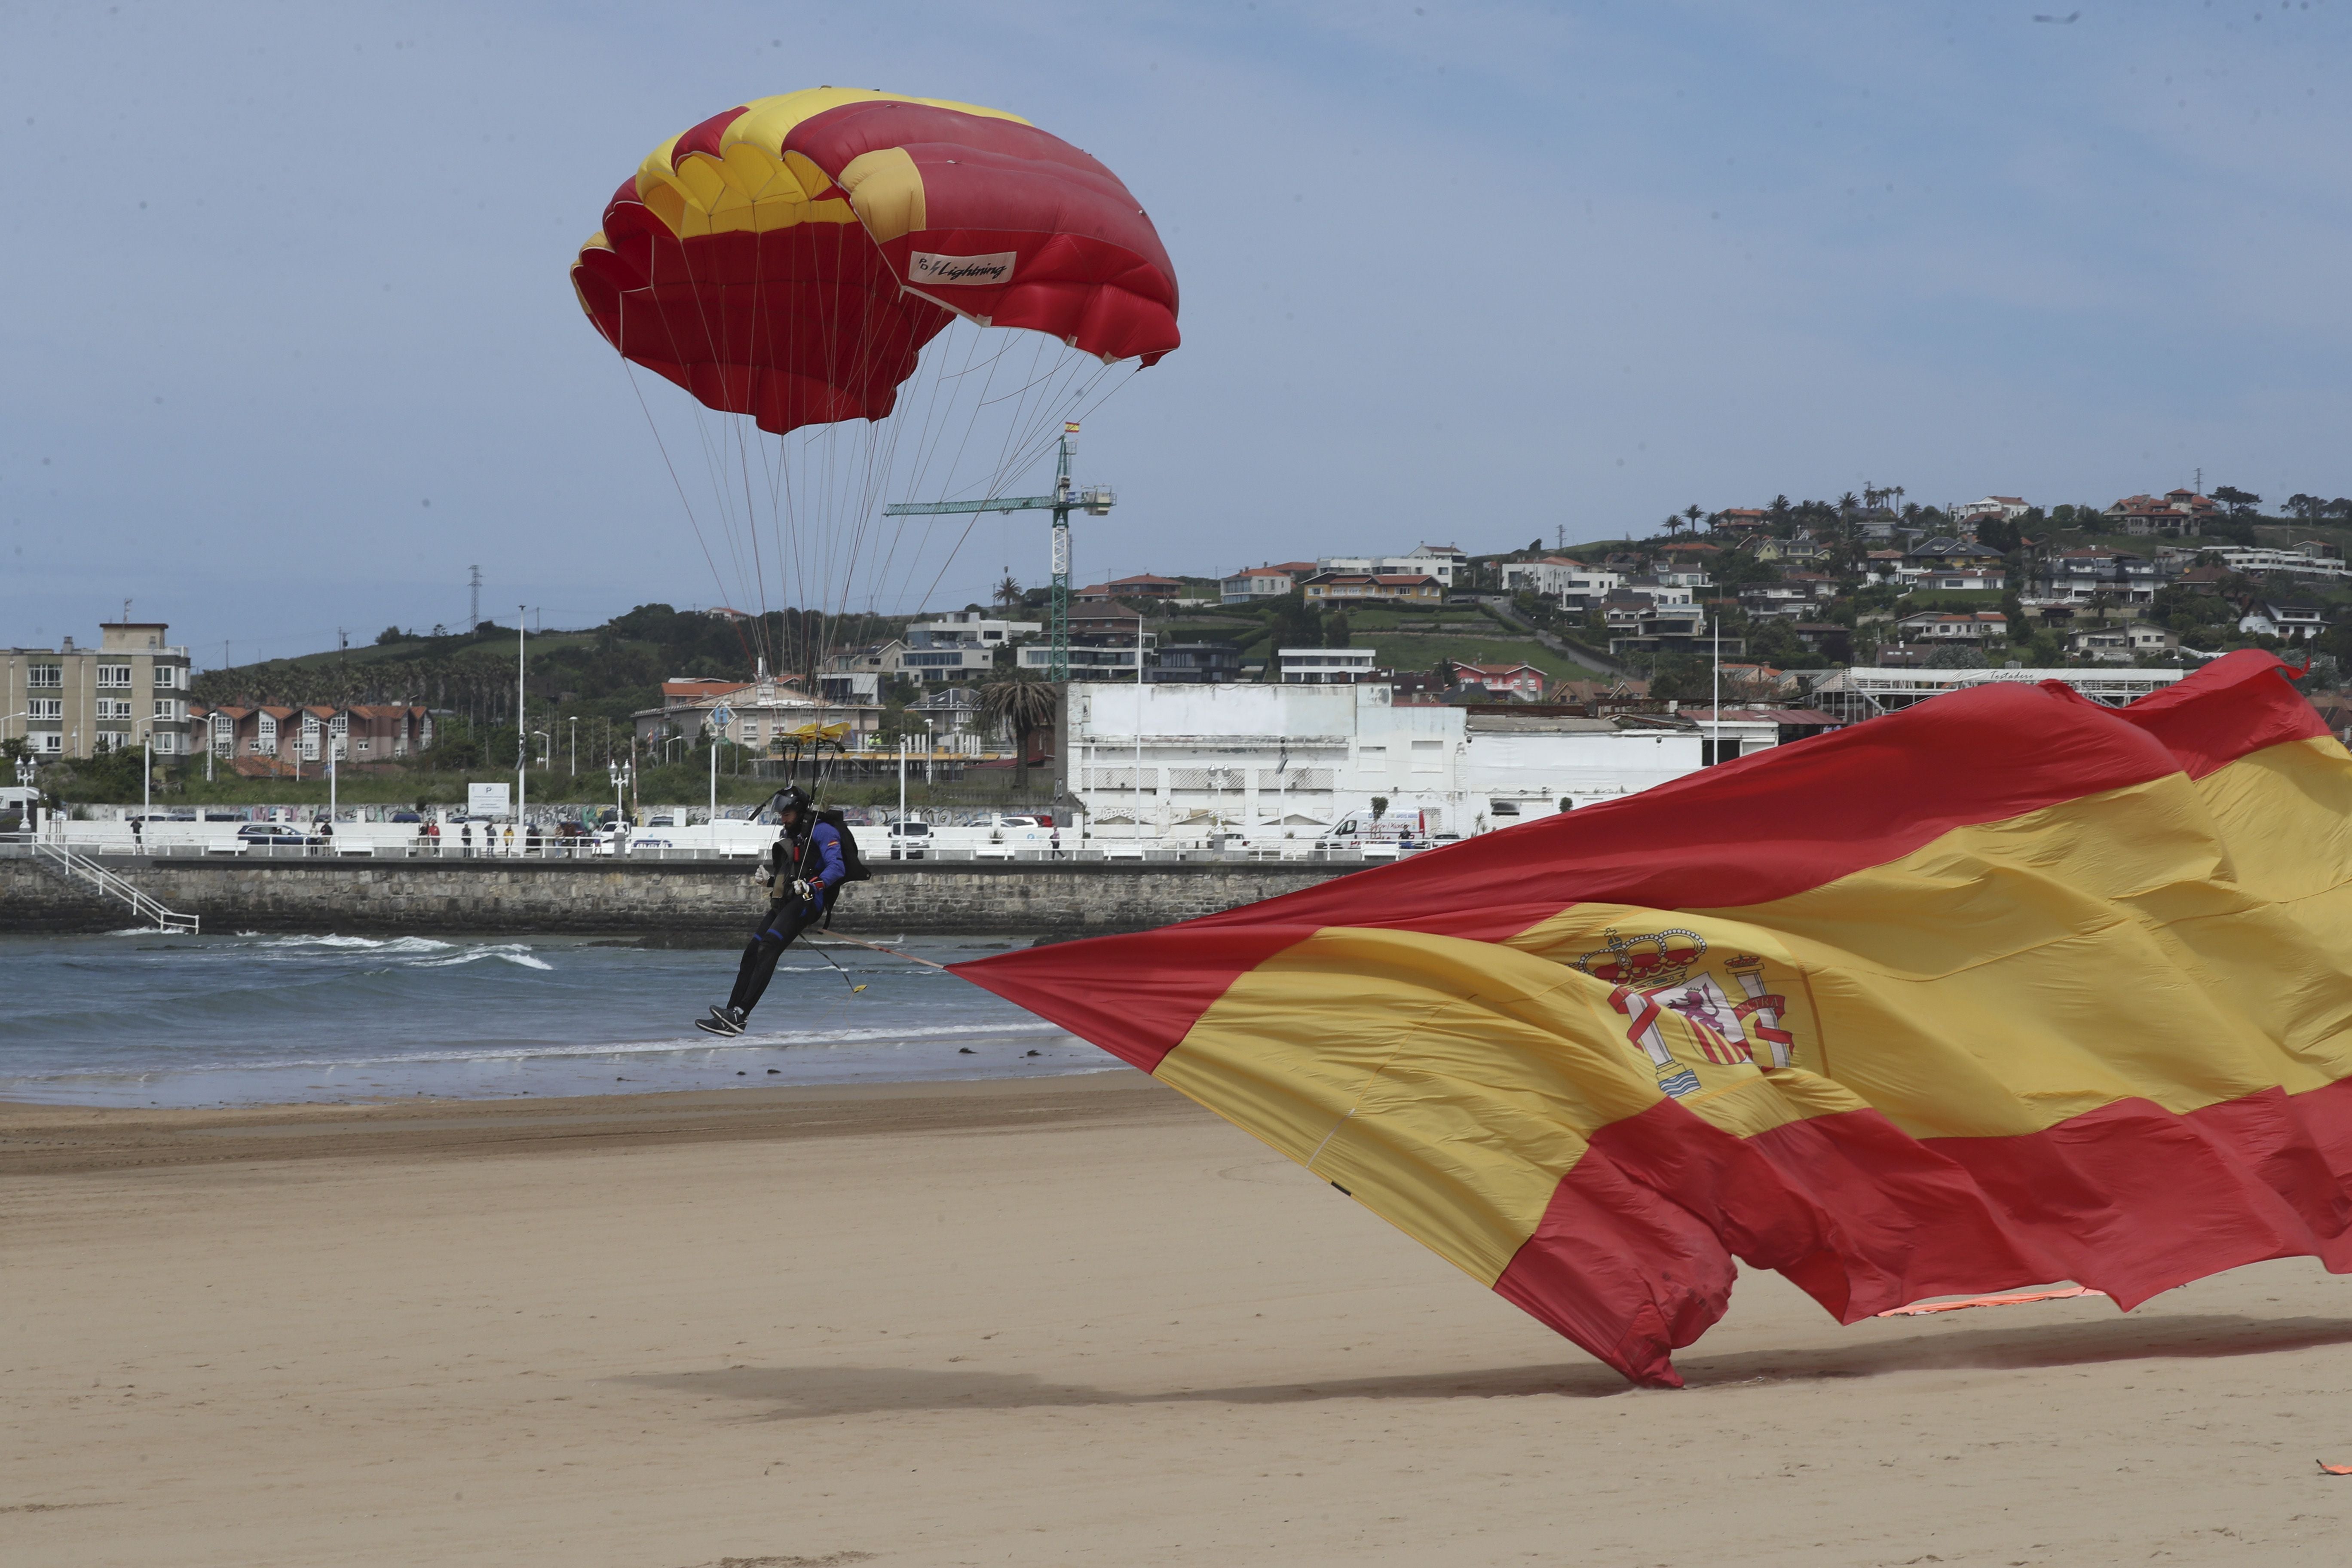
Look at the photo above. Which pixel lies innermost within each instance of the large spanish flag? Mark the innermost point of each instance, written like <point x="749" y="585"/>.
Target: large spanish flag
<point x="2004" y="989"/>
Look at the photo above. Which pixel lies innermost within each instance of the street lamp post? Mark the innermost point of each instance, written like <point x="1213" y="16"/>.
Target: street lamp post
<point x="522" y="720"/>
<point x="573" y="720"/>
<point x="618" y="770"/>
<point x="27" y="769"/>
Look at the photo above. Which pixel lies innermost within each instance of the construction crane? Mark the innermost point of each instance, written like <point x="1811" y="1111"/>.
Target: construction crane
<point x="1095" y="502"/>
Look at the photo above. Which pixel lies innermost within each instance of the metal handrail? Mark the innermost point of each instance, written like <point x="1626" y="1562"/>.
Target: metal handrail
<point x="71" y="864"/>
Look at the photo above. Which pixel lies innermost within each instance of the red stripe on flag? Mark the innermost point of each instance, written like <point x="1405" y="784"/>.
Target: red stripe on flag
<point x="1634" y="1256"/>
<point x="2235" y="705"/>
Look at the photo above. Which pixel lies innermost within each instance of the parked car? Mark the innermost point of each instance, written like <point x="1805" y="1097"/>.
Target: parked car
<point x="405" y="816"/>
<point x="254" y="833"/>
<point x="909" y="839"/>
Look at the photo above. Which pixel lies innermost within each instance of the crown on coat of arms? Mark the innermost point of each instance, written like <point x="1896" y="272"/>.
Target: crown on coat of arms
<point x="1664" y="959"/>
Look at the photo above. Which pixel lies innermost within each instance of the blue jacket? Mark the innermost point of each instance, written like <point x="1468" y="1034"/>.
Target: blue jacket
<point x="826" y="838"/>
<point x="817" y="860"/>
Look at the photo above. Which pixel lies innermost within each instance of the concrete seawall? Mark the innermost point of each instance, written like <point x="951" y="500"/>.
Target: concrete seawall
<point x="654" y="898"/>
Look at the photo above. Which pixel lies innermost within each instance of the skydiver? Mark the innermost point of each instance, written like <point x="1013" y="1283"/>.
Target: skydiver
<point x="803" y="870"/>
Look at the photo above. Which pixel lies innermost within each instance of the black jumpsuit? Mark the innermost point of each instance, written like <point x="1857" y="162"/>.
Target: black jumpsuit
<point x="813" y="856"/>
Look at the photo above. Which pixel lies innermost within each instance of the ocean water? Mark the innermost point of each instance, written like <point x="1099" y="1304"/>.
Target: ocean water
<point x="140" y="1018"/>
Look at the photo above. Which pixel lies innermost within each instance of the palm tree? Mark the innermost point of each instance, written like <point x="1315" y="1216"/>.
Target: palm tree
<point x="1023" y="702"/>
<point x="1008" y="591"/>
<point x="1692" y="513"/>
<point x="1674" y="523"/>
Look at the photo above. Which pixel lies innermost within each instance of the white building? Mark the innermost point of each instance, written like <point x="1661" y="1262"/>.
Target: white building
<point x="1556" y="577"/>
<point x="958" y="647"/>
<point x="1324" y="666"/>
<point x="2301" y="564"/>
<point x="1442" y="561"/>
<point x="2283" y="618"/>
<point x="1292" y="760"/>
<point x="1091" y="661"/>
<point x="2006" y="508"/>
<point x="1271" y="582"/>
<point x="1862" y="693"/>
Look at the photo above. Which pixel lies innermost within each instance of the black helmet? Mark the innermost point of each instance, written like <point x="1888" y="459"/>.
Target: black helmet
<point x="792" y="797"/>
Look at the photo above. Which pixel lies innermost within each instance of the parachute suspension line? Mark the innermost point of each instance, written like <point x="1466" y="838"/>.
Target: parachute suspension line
<point x="1083" y="403"/>
<point x="663" y="447"/>
<point x="935" y="421"/>
<point x="722" y="464"/>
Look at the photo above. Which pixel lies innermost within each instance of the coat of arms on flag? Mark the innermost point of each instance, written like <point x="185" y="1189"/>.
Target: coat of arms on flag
<point x="1652" y="975"/>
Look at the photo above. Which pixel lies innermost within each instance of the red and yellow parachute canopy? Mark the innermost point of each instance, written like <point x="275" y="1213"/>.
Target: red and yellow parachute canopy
<point x="789" y="259"/>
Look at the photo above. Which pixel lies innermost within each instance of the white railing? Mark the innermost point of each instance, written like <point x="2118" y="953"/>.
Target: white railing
<point x="73" y="864"/>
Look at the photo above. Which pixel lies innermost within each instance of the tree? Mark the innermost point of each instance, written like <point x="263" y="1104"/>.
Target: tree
<point x="1380" y="806"/>
<point x="389" y="634"/>
<point x="1293" y="622"/>
<point x="2241" y="504"/>
<point x="1680" y="678"/>
<point x="1336" y="632"/>
<point x="1691" y="514"/>
<point x="1008" y="593"/>
<point x="1023" y="702"/>
<point x="1954" y="656"/>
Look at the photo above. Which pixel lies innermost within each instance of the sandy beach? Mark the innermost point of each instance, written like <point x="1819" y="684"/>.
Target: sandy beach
<point x="1069" y="1320"/>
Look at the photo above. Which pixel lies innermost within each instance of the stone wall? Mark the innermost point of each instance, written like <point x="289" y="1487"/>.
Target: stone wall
<point x="642" y="899"/>
<point x="34" y="900"/>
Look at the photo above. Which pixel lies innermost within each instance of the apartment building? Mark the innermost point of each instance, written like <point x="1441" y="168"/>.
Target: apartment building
<point x="1378" y="587"/>
<point x="1558" y="577"/>
<point x="1269" y="582"/>
<point x="69" y="701"/>
<point x="364" y="733"/>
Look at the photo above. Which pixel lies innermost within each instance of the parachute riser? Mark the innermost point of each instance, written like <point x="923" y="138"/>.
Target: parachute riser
<point x="1095" y="501"/>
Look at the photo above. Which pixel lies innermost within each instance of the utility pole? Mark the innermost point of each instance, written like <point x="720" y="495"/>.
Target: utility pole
<point x="474" y="616"/>
<point x="522" y="725"/>
<point x="1715" y="750"/>
<point x="1095" y="502"/>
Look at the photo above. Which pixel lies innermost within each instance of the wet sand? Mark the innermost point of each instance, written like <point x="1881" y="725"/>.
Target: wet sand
<point x="1070" y="1321"/>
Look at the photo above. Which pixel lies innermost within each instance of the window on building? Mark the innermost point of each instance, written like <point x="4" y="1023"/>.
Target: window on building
<point x="114" y="675"/>
<point x="163" y="707"/>
<point x="51" y="741"/>
<point x="166" y="742"/>
<point x="51" y="675"/>
<point x="48" y="707"/>
<point x="167" y="678"/>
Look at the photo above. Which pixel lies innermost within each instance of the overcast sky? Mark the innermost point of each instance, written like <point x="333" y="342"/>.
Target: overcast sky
<point x="277" y="276"/>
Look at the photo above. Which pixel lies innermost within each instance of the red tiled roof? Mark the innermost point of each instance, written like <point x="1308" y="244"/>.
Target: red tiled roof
<point x="700" y="687"/>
